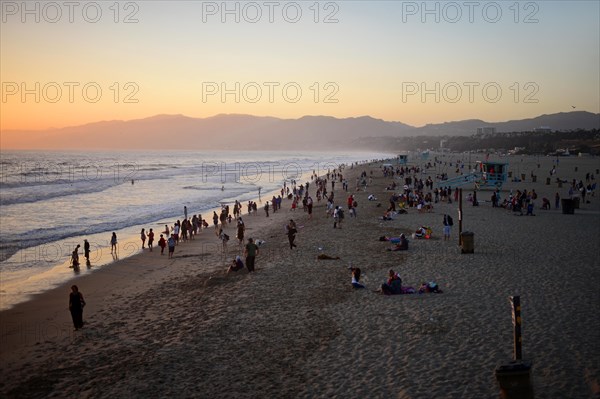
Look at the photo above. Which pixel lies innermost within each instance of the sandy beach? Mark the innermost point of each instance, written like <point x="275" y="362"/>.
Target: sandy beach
<point x="158" y="327"/>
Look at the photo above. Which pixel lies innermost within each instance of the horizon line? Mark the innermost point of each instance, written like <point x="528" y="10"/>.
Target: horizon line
<point x="280" y="118"/>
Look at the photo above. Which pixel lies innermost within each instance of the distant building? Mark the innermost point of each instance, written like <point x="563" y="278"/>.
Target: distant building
<point x="486" y="131"/>
<point x="542" y="129"/>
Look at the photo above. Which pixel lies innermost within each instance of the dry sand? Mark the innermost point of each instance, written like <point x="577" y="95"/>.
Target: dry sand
<point x="295" y="328"/>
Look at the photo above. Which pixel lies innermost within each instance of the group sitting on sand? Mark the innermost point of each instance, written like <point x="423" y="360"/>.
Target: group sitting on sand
<point x="393" y="285"/>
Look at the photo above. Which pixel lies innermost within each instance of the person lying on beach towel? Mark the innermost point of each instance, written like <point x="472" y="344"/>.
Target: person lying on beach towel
<point x="387" y="216"/>
<point x="327" y="257"/>
<point x="430" y="287"/>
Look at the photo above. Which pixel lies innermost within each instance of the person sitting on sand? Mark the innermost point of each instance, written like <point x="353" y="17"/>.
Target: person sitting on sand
<point x="387" y="216"/>
<point x="393" y="285"/>
<point x="356" y="277"/>
<point x="423" y="232"/>
<point x="545" y="203"/>
<point x="401" y="245"/>
<point x="236" y="265"/>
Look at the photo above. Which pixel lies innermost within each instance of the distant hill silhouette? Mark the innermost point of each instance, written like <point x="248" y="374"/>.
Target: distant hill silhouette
<point x="247" y="132"/>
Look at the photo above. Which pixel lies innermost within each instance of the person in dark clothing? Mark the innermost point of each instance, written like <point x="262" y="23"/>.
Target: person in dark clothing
<point x="251" y="251"/>
<point x="291" y="232"/>
<point x="76" y="304"/>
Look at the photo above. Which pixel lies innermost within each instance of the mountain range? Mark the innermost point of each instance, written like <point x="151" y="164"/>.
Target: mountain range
<point x="247" y="132"/>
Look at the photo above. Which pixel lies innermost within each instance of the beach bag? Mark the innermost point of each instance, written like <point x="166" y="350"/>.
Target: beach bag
<point x="340" y="213"/>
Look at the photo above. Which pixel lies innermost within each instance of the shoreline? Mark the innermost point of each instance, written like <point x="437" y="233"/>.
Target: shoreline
<point x="60" y="273"/>
<point x="153" y="324"/>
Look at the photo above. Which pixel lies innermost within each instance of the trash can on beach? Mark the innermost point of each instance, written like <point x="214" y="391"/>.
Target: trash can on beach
<point x="467" y="240"/>
<point x="568" y="206"/>
<point x="514" y="380"/>
<point x="547" y="181"/>
<point x="534" y="179"/>
<point x="576" y="201"/>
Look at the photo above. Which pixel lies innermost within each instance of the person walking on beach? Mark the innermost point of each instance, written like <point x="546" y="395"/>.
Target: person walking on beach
<point x="150" y="239"/>
<point x="143" y="238"/>
<point x="216" y="221"/>
<point x="251" y="251"/>
<point x="113" y="243"/>
<point x="185" y="212"/>
<point x="291" y="233"/>
<point x="241" y="228"/>
<point x="162" y="243"/>
<point x="76" y="304"/>
<point x="224" y="238"/>
<point x="171" y="243"/>
<point x="86" y="250"/>
<point x="267" y="208"/>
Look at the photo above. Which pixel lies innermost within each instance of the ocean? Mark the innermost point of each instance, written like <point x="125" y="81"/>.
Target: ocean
<point x="51" y="201"/>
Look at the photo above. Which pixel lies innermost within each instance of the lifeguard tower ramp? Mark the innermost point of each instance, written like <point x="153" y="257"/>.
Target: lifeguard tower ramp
<point x="486" y="175"/>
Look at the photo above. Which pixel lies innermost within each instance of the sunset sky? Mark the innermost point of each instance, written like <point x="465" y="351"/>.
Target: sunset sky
<point x="347" y="58"/>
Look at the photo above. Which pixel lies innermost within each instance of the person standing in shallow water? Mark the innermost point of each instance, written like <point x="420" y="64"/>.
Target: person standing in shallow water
<point x="76" y="304"/>
<point x="86" y="250"/>
<point x="150" y="239"/>
<point x="113" y="243"/>
<point x="143" y="238"/>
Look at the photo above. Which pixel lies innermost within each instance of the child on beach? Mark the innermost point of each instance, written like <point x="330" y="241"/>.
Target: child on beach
<point x="236" y="265"/>
<point x="171" y="243"/>
<point x="162" y="243"/>
<point x="356" y="277"/>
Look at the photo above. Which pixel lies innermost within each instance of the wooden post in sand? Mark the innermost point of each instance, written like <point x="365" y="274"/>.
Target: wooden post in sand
<point x="460" y="216"/>
<point x="516" y="318"/>
<point x="514" y="378"/>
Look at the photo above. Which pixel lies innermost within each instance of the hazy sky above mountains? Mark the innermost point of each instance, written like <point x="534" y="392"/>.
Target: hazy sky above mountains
<point x="413" y="62"/>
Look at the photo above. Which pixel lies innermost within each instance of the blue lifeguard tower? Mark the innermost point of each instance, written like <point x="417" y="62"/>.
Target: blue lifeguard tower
<point x="492" y="174"/>
<point x="402" y="159"/>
